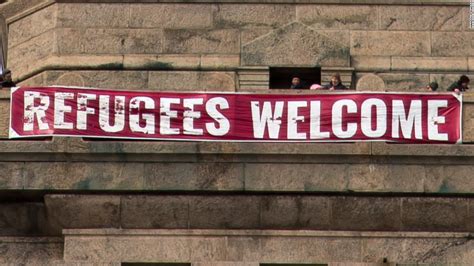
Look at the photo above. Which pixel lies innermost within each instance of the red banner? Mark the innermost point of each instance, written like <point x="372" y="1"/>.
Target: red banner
<point x="406" y="118"/>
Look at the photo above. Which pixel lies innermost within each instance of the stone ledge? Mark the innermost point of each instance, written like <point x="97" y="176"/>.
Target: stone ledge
<point x="368" y="2"/>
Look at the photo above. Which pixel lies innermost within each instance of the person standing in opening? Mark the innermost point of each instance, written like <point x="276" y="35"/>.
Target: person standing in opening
<point x="7" y="79"/>
<point x="296" y="83"/>
<point x="335" y="84"/>
<point x="460" y="85"/>
<point x="433" y="86"/>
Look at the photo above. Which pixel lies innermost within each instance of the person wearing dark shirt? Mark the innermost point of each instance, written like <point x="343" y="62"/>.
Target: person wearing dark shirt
<point x="460" y="85"/>
<point x="335" y="84"/>
<point x="296" y="83"/>
<point x="7" y="79"/>
<point x="433" y="86"/>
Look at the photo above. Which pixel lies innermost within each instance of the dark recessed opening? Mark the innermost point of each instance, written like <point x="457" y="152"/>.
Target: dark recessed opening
<point x="280" y="77"/>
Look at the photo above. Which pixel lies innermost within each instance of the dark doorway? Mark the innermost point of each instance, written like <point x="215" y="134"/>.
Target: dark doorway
<point x="280" y="77"/>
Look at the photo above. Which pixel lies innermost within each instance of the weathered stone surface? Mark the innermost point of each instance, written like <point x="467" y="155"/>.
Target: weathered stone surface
<point x="470" y="63"/>
<point x="230" y="212"/>
<point x="468" y="123"/>
<point x="445" y="80"/>
<point x="224" y="41"/>
<point x="250" y="34"/>
<point x="4" y="118"/>
<point x="220" y="61"/>
<point x="84" y="176"/>
<point x="184" y="16"/>
<point x="251" y="16"/>
<point x="83" y="211"/>
<point x="37" y="80"/>
<point x="161" y="62"/>
<point x="435" y="214"/>
<point x="32" y="25"/>
<point x="371" y="63"/>
<point x="21" y="218"/>
<point x="93" y="15"/>
<point x="192" y="81"/>
<point x="109" y="41"/>
<point x="280" y="48"/>
<point x="344" y="17"/>
<point x="452" y="43"/>
<point x="205" y="176"/>
<point x="154" y="212"/>
<point x="447" y="178"/>
<point x="405" y="82"/>
<point x="295" y="177"/>
<point x="130" y="80"/>
<point x="31" y="250"/>
<point x="11" y="175"/>
<point x="383" y="43"/>
<point x="429" y="63"/>
<point x="370" y="82"/>
<point x="368" y="213"/>
<point x="434" y="18"/>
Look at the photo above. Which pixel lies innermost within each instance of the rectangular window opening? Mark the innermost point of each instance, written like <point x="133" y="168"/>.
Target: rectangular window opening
<point x="281" y="77"/>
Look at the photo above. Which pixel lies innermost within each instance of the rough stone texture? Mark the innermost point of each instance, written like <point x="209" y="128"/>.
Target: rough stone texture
<point x="83" y="211"/>
<point x="185" y="16"/>
<point x="452" y="44"/>
<point x="224" y="41"/>
<point x="430" y="63"/>
<point x="280" y="48"/>
<point x="252" y="16"/>
<point x="192" y="81"/>
<point x="93" y="15"/>
<point x="384" y="43"/>
<point x="347" y="17"/>
<point x="161" y="62"/>
<point x="468" y="123"/>
<point x="109" y="41"/>
<point x="371" y="63"/>
<point x="154" y="212"/>
<point x="31" y="251"/>
<point x="24" y="218"/>
<point x="32" y="26"/>
<point x="405" y="82"/>
<point x="11" y="175"/>
<point x="429" y="215"/>
<point x="220" y="61"/>
<point x="444" y="179"/>
<point x="231" y="212"/>
<point x="129" y="80"/>
<point x="4" y="117"/>
<point x="37" y="80"/>
<point x="432" y="18"/>
<point x="370" y="82"/>
<point x="445" y="80"/>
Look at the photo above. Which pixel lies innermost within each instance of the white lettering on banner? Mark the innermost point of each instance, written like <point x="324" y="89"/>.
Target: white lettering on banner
<point x="211" y="109"/>
<point x="261" y="120"/>
<point x="60" y="109"/>
<point x="166" y="114"/>
<point x="315" y="121"/>
<point x="407" y="124"/>
<point x="337" y="119"/>
<point x="119" y="113"/>
<point x="134" y="119"/>
<point x="380" y="118"/>
<point x="434" y="119"/>
<point x="31" y="111"/>
<point x="83" y="110"/>
<point x="189" y="115"/>
<point x="293" y="119"/>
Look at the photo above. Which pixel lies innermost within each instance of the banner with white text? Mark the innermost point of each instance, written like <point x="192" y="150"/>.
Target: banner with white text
<point x="336" y="117"/>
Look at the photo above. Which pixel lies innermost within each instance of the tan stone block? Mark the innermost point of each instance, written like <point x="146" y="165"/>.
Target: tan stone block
<point x="371" y="63"/>
<point x="468" y="123"/>
<point x="225" y="263"/>
<point x="385" y="43"/>
<point x="35" y="49"/>
<point x="445" y="80"/>
<point x="11" y="176"/>
<point x="191" y="81"/>
<point x="154" y="212"/>
<point x="448" y="179"/>
<point x="83" y="211"/>
<point x="31" y="251"/>
<point x="452" y="43"/>
<point x="370" y="82"/>
<point x="294" y="250"/>
<point x="295" y="177"/>
<point x="184" y="16"/>
<point x="32" y="25"/>
<point x="219" y="61"/>
<point x="161" y="62"/>
<point x="4" y="118"/>
<point x="278" y="48"/>
<point x="202" y="41"/>
<point x="109" y="41"/>
<point x="430" y="63"/>
<point x="353" y="17"/>
<point x="253" y="15"/>
<point x="438" y="214"/>
<point x="130" y="80"/>
<point x="434" y="18"/>
<point x="205" y="176"/>
<point x="470" y="63"/>
<point x="250" y="34"/>
<point x="37" y="80"/>
<point x="405" y="82"/>
<point x="93" y="15"/>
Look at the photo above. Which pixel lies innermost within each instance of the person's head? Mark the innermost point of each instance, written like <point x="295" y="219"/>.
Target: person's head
<point x="433" y="86"/>
<point x="464" y="81"/>
<point x="295" y="81"/>
<point x="7" y="75"/>
<point x="336" y="79"/>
